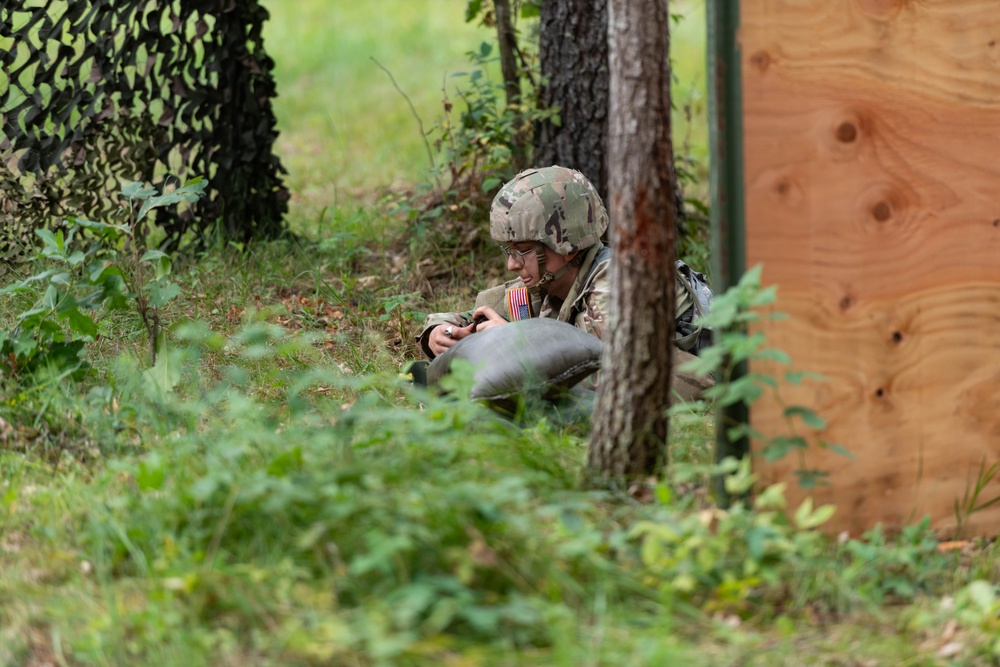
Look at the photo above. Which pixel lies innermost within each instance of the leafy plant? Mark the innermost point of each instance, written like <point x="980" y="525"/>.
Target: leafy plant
<point x="723" y="559"/>
<point x="399" y="309"/>
<point x="731" y="315"/>
<point x="86" y="265"/>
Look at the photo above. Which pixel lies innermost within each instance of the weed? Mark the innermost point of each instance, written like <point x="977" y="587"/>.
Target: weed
<point x="84" y="267"/>
<point x="971" y="502"/>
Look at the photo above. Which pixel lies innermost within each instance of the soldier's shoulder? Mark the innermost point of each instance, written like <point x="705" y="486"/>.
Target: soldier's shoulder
<point x="495" y="297"/>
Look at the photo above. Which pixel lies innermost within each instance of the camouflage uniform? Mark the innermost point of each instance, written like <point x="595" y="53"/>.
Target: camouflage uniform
<point x="557" y="208"/>
<point x="585" y="306"/>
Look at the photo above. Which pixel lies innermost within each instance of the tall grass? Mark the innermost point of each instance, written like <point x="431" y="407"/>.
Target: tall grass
<point x="345" y="129"/>
<point x="346" y="132"/>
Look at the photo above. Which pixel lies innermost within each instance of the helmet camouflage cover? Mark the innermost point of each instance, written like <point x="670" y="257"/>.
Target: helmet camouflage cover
<point x="555" y="206"/>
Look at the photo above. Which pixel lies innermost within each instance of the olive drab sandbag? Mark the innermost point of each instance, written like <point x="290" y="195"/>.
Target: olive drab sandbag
<point x="541" y="354"/>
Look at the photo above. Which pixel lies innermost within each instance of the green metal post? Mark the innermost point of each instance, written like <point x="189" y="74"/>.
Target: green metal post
<point x="726" y="143"/>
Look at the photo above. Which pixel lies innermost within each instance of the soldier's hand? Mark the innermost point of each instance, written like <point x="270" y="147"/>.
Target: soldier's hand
<point x="487" y="318"/>
<point x="440" y="340"/>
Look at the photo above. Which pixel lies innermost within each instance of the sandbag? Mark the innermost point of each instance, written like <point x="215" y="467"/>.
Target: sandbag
<point x="536" y="354"/>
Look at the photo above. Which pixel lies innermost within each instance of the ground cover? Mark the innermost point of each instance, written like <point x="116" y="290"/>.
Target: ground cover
<point x="272" y="492"/>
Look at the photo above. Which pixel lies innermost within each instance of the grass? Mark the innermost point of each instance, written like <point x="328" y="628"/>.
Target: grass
<point x="347" y="133"/>
<point x="345" y="130"/>
<point x="292" y="501"/>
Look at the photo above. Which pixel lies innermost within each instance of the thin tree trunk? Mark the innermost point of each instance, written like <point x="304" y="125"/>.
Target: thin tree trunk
<point x="630" y="428"/>
<point x="507" y="43"/>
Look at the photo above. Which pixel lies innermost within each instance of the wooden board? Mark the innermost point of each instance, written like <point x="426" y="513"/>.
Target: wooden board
<point x="872" y="176"/>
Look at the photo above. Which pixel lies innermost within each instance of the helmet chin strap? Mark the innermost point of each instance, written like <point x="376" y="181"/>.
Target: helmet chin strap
<point x="548" y="277"/>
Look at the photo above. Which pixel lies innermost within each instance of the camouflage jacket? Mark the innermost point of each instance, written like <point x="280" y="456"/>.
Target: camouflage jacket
<point x="585" y="306"/>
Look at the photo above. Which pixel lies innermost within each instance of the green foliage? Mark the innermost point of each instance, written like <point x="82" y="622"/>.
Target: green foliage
<point x="84" y="267"/>
<point x="898" y="569"/>
<point x="255" y="501"/>
<point x="399" y="310"/>
<point x="732" y="314"/>
<point x="728" y="560"/>
<point x="483" y="147"/>
<point x="971" y="622"/>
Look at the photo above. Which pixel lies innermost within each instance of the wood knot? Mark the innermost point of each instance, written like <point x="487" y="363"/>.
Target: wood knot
<point x="846" y="302"/>
<point x="897" y="337"/>
<point x="880" y="392"/>
<point x="847" y="132"/>
<point x="882" y="211"/>
<point x="761" y="60"/>
<point x="782" y="187"/>
<point x="996" y="223"/>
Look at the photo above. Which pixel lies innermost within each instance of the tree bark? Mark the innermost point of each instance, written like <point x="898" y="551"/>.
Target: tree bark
<point x="573" y="48"/>
<point x="630" y="427"/>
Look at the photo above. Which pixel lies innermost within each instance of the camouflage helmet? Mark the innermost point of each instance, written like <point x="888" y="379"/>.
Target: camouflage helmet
<point x="555" y="206"/>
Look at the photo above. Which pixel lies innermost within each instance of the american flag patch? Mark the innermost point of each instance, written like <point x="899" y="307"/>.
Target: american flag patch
<point x="518" y="304"/>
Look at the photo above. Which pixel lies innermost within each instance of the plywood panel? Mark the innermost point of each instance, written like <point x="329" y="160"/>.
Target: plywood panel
<point x="872" y="175"/>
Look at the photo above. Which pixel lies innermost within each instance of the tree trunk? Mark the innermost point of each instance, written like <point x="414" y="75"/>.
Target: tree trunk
<point x="507" y="45"/>
<point x="573" y="48"/>
<point x="629" y="434"/>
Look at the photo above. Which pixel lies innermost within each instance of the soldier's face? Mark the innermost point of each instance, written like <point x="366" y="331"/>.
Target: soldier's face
<point x="526" y="265"/>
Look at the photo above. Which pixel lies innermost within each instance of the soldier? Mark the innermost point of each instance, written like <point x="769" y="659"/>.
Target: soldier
<point x="549" y="222"/>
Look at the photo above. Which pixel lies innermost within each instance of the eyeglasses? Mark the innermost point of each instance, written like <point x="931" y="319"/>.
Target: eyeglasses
<point x="515" y="254"/>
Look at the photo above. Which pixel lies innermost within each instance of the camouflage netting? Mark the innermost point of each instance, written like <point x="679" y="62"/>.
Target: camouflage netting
<point x="96" y="93"/>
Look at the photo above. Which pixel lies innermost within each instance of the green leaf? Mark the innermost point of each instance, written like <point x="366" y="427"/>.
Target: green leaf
<point x="797" y="377"/>
<point x="778" y="448"/>
<point x="530" y="10"/>
<point x="808" y="417"/>
<point x="14" y="288"/>
<point x="757" y="538"/>
<point x="485" y="49"/>
<point x="53" y="242"/>
<point x="61" y="278"/>
<point x="25" y="345"/>
<point x="165" y="374"/>
<point x="778" y="356"/>
<point x="102" y="272"/>
<point x="742" y="390"/>
<point x="663" y="495"/>
<point x="151" y="473"/>
<point x="836" y="449"/>
<point x="160" y="293"/>
<point x="743" y="431"/>
<point x="137" y="190"/>
<point x="286" y="462"/>
<point x="472" y="9"/>
<point x="811" y="478"/>
<point x="50" y="298"/>
<point x="81" y="323"/>
<point x="76" y="258"/>
<point x="490" y="183"/>
<point x="162" y="260"/>
<point x="806" y="518"/>
<point x="151" y="255"/>
<point x="189" y="193"/>
<point x="103" y="229"/>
